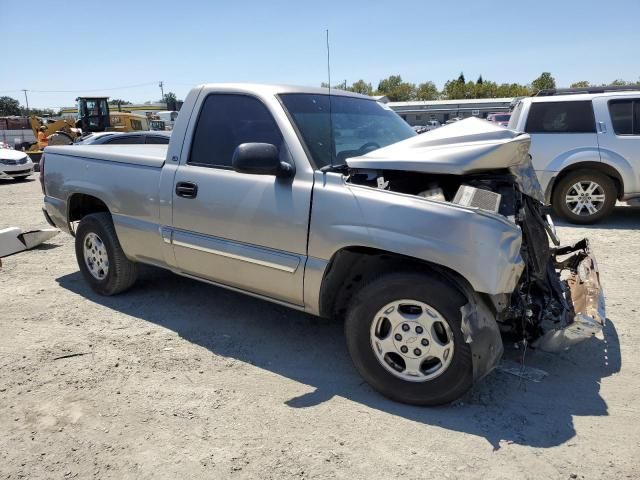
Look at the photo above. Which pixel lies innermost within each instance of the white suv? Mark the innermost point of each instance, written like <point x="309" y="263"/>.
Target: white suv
<point x="585" y="144"/>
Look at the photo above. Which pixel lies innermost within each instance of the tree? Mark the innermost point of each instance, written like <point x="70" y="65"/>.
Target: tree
<point x="454" y="89"/>
<point x="171" y="100"/>
<point x="9" y="106"/>
<point x="396" y="90"/>
<point x="513" y="90"/>
<point x="543" y="82"/>
<point x="618" y="82"/>
<point x="361" y="87"/>
<point x="40" y="112"/>
<point x="119" y="101"/>
<point x="169" y="97"/>
<point x="427" y="91"/>
<point x="580" y="84"/>
<point x="461" y="78"/>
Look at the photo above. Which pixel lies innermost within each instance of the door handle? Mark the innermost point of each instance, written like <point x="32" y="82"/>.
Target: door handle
<point x="186" y="189"/>
<point x="602" y="127"/>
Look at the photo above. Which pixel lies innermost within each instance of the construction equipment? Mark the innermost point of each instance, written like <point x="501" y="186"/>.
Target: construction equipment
<point x="156" y="123"/>
<point x="59" y="132"/>
<point x="94" y="115"/>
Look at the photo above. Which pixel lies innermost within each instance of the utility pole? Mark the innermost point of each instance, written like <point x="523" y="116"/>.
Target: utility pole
<point x="161" y="85"/>
<point x="26" y="99"/>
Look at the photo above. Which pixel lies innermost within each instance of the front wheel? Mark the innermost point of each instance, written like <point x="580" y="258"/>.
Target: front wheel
<point x="102" y="262"/>
<point x="404" y="335"/>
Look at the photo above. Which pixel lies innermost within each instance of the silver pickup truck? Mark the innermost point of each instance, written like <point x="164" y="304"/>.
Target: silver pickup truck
<point x="429" y="247"/>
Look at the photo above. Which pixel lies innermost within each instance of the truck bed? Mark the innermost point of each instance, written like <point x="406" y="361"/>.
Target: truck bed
<point x="146" y="155"/>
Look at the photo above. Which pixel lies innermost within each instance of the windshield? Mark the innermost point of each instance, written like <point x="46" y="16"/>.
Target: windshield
<point x="359" y="126"/>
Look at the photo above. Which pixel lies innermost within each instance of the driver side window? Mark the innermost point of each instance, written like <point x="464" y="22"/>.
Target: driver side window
<point x="226" y="121"/>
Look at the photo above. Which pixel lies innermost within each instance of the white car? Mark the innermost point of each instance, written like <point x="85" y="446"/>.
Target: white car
<point x="14" y="164"/>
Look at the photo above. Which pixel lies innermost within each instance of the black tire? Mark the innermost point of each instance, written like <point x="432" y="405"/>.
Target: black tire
<point x="566" y="183"/>
<point x="122" y="272"/>
<point x="456" y="379"/>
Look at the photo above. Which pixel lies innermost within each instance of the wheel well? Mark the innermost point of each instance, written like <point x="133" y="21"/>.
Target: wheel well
<point x="353" y="267"/>
<point x="81" y="204"/>
<point x="608" y="170"/>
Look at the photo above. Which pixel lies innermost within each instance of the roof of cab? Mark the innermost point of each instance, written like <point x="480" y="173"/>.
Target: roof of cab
<point x="278" y="89"/>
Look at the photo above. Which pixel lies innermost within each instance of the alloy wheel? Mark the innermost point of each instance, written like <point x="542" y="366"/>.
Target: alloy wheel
<point x="412" y="340"/>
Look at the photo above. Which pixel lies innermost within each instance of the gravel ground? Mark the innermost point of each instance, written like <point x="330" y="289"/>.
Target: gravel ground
<point x="177" y="379"/>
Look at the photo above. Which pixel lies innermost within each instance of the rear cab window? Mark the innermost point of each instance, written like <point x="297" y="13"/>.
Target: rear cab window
<point x="561" y="117"/>
<point x="157" y="140"/>
<point x="128" y="140"/>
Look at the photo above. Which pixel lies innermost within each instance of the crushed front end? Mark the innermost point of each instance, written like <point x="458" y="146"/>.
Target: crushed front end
<point x="558" y="300"/>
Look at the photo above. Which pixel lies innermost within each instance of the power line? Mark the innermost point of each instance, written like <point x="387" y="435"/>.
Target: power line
<point x="95" y="89"/>
<point x="81" y="90"/>
<point x="161" y="84"/>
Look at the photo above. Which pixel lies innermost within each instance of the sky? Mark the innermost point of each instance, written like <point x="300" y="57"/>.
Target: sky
<point x="58" y="51"/>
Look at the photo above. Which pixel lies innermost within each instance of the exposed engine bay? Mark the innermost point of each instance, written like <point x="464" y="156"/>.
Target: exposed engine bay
<point x="558" y="300"/>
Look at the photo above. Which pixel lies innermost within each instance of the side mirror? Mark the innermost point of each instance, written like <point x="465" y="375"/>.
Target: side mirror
<point x="260" y="159"/>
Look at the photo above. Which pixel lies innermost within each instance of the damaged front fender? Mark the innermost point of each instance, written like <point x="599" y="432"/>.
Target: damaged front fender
<point x="584" y="296"/>
<point x="480" y="330"/>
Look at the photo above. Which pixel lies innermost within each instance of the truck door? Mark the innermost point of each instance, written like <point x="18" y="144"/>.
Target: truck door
<point x="619" y="135"/>
<point x="241" y="230"/>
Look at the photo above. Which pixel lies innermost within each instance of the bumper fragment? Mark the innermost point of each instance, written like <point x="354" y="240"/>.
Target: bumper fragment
<point x="584" y="293"/>
<point x="14" y="240"/>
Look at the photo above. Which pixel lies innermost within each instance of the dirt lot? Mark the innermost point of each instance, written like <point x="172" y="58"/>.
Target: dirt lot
<point x="178" y="379"/>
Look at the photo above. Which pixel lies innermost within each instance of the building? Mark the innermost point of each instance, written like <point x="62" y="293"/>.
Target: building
<point x="420" y="112"/>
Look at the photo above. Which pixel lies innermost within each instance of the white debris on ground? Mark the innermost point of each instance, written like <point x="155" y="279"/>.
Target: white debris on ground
<point x="14" y="240"/>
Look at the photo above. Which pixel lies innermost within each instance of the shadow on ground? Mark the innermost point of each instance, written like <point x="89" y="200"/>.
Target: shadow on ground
<point x="12" y="181"/>
<point x="502" y="408"/>
<point x="622" y="217"/>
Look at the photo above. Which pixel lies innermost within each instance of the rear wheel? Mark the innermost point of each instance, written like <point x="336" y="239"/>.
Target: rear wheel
<point x="584" y="196"/>
<point x="404" y="335"/>
<point x="100" y="257"/>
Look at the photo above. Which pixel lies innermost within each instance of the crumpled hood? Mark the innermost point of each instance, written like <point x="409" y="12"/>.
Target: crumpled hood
<point x="468" y="146"/>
